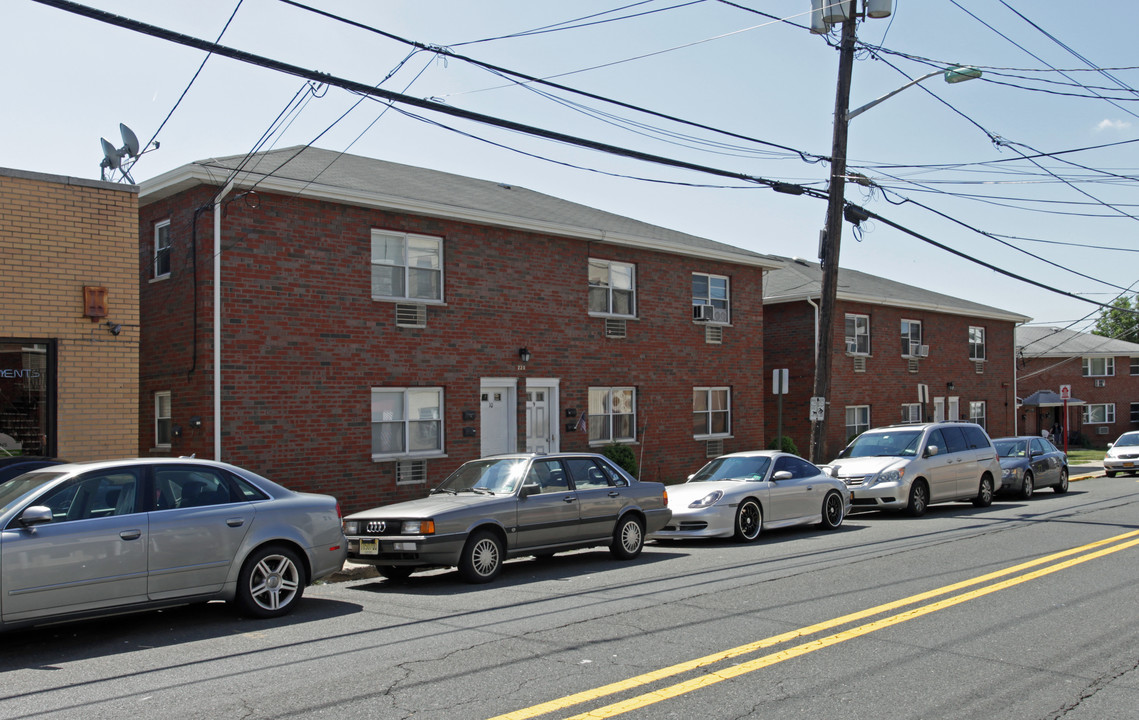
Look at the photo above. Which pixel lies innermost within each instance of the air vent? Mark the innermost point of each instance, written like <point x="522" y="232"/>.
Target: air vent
<point x="980" y="368"/>
<point x="714" y="448"/>
<point x="713" y="334"/>
<point x="913" y="365"/>
<point x="1102" y="430"/>
<point x="411" y="472"/>
<point x="1100" y="382"/>
<point x="860" y="364"/>
<point x="410" y="316"/>
<point x="614" y="328"/>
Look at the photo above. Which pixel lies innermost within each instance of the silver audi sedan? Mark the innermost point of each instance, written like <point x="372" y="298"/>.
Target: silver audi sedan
<point x="738" y="495"/>
<point x="98" y="538"/>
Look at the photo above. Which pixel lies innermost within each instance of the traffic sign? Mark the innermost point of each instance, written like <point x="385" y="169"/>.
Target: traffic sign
<point x="1065" y="392"/>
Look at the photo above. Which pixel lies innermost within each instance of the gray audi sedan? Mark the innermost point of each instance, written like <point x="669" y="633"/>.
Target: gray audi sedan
<point x="98" y="538"/>
<point x="508" y="506"/>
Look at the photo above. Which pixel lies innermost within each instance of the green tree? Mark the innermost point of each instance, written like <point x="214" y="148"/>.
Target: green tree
<point x="1120" y="321"/>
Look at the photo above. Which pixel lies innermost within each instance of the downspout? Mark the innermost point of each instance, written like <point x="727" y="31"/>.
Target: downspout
<point x="1015" y="385"/>
<point x="811" y="302"/>
<point x="217" y="319"/>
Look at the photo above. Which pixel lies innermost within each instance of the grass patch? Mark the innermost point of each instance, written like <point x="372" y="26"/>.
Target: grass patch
<point x="1076" y="456"/>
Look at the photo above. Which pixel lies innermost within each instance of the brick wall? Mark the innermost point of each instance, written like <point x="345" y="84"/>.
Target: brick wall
<point x="58" y="235"/>
<point x="1120" y="390"/>
<point x="887" y="381"/>
<point x="303" y="342"/>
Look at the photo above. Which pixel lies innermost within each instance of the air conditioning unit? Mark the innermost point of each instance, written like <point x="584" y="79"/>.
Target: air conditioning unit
<point x="1102" y="430"/>
<point x="851" y="345"/>
<point x="703" y="313"/>
<point x="922" y="350"/>
<point x="720" y="315"/>
<point x="1100" y="382"/>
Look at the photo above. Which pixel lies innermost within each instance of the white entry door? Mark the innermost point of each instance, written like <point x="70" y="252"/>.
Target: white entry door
<point x="497" y="419"/>
<point x="939" y="409"/>
<point x="954" y="409"/>
<point x="541" y="427"/>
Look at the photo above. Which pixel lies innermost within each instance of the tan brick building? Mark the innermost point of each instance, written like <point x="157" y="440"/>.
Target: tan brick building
<point x="69" y="307"/>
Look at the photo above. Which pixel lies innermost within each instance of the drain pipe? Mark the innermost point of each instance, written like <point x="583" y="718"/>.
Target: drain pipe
<point x="217" y="319"/>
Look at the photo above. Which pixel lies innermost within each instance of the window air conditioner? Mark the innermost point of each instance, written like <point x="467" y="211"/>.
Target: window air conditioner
<point x="720" y="315"/>
<point x="1100" y="382"/>
<point x="702" y="313"/>
<point x="923" y="350"/>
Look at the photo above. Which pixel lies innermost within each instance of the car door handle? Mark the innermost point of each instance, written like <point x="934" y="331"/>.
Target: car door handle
<point x="130" y="534"/>
<point x="568" y="498"/>
<point x="614" y="493"/>
<point x="235" y="522"/>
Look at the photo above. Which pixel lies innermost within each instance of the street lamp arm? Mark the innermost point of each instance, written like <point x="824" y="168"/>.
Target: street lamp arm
<point x="855" y="113"/>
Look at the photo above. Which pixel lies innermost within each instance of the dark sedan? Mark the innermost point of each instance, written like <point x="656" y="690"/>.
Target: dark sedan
<point x="1029" y="463"/>
<point x="13" y="465"/>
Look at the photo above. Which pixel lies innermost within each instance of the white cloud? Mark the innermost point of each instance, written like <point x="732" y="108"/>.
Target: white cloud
<point x="1113" y="125"/>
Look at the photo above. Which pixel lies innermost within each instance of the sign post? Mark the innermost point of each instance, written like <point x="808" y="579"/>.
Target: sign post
<point x="779" y="387"/>
<point x="1065" y="395"/>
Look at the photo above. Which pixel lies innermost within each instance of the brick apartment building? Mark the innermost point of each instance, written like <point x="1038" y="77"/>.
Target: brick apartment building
<point x="381" y="324"/>
<point x="1102" y="372"/>
<point x="889" y="339"/>
<point x="69" y="299"/>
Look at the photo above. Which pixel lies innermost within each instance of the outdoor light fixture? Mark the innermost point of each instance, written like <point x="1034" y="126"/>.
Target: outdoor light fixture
<point x="524" y="354"/>
<point x="114" y="328"/>
<point x="949" y="385"/>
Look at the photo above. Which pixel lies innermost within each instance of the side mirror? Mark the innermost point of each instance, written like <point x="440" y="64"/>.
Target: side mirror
<point x="931" y="450"/>
<point x="621" y="482"/>
<point x="694" y="474"/>
<point x="529" y="489"/>
<point x="782" y="475"/>
<point x="830" y="470"/>
<point x="35" y="515"/>
<point x="1110" y="445"/>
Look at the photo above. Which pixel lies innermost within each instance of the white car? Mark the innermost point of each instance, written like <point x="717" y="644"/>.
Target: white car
<point x="1122" y="455"/>
<point x="739" y="495"/>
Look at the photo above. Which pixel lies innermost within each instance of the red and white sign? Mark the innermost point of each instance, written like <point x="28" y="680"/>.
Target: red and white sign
<point x="1065" y="392"/>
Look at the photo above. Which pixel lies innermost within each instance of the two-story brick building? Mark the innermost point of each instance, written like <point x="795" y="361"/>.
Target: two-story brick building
<point x="69" y="300"/>
<point x="1102" y="372"/>
<point x="380" y="324"/>
<point x="891" y="340"/>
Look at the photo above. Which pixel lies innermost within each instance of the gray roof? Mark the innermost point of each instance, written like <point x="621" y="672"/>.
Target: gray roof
<point x="1051" y="342"/>
<point x="351" y="179"/>
<point x="800" y="279"/>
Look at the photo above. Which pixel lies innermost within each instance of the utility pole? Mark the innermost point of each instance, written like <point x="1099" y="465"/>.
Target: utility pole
<point x="830" y="242"/>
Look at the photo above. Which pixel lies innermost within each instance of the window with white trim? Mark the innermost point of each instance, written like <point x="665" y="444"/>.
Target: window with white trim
<point x="1099" y="414"/>
<point x="711" y="412"/>
<point x="1135" y="412"/>
<point x="911" y="412"/>
<point x="406" y="266"/>
<point x="857" y="335"/>
<point x="161" y="266"/>
<point x="1099" y="366"/>
<point x="977" y="412"/>
<point x="976" y="343"/>
<point x="911" y="338"/>
<point x="407" y="422"/>
<point x="712" y="290"/>
<point x="1135" y="366"/>
<point x="857" y="420"/>
<point x="162" y="419"/>
<point x="612" y="414"/>
<point x="612" y="288"/>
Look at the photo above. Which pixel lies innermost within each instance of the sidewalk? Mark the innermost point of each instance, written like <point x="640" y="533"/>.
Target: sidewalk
<point x="1085" y="471"/>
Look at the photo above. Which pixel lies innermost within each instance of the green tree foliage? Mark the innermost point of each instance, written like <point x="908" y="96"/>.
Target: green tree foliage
<point x="623" y="455"/>
<point x="787" y="446"/>
<point x="1120" y="321"/>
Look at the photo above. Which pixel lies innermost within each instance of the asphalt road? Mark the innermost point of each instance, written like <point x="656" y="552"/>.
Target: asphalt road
<point x="1020" y="610"/>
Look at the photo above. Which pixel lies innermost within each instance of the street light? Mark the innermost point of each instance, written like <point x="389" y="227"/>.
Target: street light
<point x="824" y="13"/>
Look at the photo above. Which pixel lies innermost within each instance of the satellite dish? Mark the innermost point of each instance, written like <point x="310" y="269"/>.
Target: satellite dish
<point x="111" y="158"/>
<point x="130" y="141"/>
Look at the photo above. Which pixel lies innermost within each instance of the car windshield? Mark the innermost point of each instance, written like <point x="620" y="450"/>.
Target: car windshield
<point x="487" y="477"/>
<point x="741" y="469"/>
<point x="1010" y="448"/>
<point x="896" y="443"/>
<point x="17" y="487"/>
<point x="1128" y="439"/>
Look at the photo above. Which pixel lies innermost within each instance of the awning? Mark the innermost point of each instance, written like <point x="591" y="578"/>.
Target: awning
<point x="1047" y="398"/>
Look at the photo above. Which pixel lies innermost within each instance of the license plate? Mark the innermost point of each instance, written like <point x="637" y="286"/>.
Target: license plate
<point x="369" y="546"/>
<point x="1128" y="464"/>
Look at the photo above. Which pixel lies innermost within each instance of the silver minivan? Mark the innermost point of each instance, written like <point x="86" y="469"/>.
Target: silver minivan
<point x="908" y="467"/>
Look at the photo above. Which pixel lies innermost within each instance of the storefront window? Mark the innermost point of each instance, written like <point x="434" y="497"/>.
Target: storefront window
<point x="26" y="389"/>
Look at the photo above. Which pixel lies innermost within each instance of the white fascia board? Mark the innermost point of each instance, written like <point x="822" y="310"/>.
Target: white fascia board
<point x="889" y="302"/>
<point x="187" y="176"/>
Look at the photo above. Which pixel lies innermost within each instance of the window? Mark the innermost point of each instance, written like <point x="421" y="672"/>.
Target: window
<point x="612" y="288"/>
<point x="162" y="419"/>
<point x="712" y="290"/>
<point x="1099" y="413"/>
<point x="911" y="412"/>
<point x="407" y="422"/>
<point x="977" y="412"/>
<point x="711" y="411"/>
<point x="1135" y="366"/>
<point x="911" y="338"/>
<point x="1135" y="412"/>
<point x="612" y="414"/>
<point x="180" y="486"/>
<point x="857" y="420"/>
<point x="858" y="334"/>
<point x="976" y="343"/>
<point x="798" y="467"/>
<point x="1099" y="367"/>
<point x="406" y="266"/>
<point x="98" y="494"/>
<point x="162" y="249"/>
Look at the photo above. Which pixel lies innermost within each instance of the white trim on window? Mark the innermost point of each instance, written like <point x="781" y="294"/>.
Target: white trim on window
<point x="162" y="426"/>
<point x="612" y="288"/>
<point x="160" y="257"/>
<point x="856" y="340"/>
<point x="711" y="412"/>
<point x="911" y="331"/>
<point x="407" y="422"/>
<point x="977" y="412"/>
<point x="407" y="267"/>
<point x="976" y="343"/>
<point x="1099" y="414"/>
<point x="612" y="415"/>
<point x="1098" y="366"/>
<point x="857" y="420"/>
<point x="911" y="413"/>
<point x="714" y="290"/>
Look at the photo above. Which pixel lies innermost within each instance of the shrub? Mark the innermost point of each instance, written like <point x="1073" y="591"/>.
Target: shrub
<point x="623" y="455"/>
<point x="788" y="445"/>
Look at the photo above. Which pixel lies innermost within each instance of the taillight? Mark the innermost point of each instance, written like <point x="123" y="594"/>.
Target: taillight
<point x="665" y="493"/>
<point x="338" y="513"/>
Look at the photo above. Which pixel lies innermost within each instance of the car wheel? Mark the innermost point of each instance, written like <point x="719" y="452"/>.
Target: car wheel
<point x="749" y="521"/>
<point x="833" y="511"/>
<point x="1062" y="486"/>
<point x="985" y="494"/>
<point x="919" y="499"/>
<point x="1026" y="491"/>
<point x="1109" y="473"/>
<point x="628" y="538"/>
<point x="481" y="560"/>
<point x="271" y="582"/>
<point x="395" y="573"/>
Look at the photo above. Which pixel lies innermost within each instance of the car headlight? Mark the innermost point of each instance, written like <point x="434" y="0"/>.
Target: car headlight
<point x="351" y="527"/>
<point x="893" y="476"/>
<point x="708" y="500"/>
<point x="417" y="527"/>
<point x="1010" y="474"/>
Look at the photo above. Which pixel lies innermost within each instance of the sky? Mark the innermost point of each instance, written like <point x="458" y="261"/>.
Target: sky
<point x="1031" y="169"/>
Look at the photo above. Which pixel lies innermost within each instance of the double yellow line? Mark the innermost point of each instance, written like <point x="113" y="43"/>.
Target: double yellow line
<point x="1091" y="551"/>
